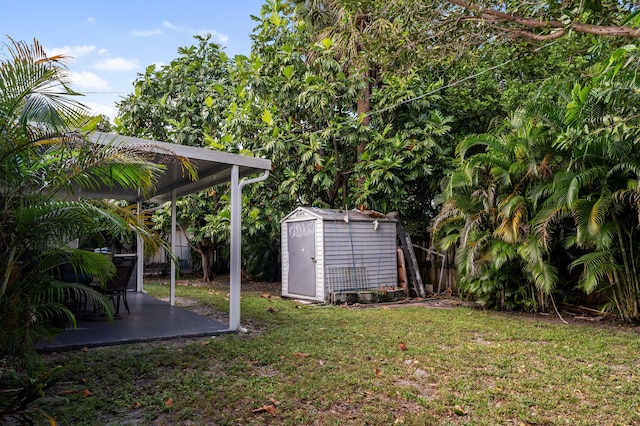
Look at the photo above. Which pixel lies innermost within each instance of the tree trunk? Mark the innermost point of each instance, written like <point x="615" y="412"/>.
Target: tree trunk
<point x="207" y="252"/>
<point x="363" y="108"/>
<point x="558" y="28"/>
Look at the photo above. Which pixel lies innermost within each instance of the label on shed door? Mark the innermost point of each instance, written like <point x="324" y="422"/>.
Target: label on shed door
<point x="301" y="241"/>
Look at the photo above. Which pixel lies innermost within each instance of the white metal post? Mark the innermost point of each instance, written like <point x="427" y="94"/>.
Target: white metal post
<point x="234" y="272"/>
<point x="236" y="244"/>
<point x="172" y="293"/>
<point x="140" y="255"/>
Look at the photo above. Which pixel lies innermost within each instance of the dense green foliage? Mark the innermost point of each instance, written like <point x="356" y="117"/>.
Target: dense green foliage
<point x="300" y="109"/>
<point x="182" y="103"/>
<point x="548" y="200"/>
<point x="356" y="108"/>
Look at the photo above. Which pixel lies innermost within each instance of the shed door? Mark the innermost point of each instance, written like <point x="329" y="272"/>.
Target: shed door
<point x="302" y="252"/>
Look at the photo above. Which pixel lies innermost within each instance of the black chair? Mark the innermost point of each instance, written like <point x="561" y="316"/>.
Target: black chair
<point x="116" y="287"/>
<point x="77" y="303"/>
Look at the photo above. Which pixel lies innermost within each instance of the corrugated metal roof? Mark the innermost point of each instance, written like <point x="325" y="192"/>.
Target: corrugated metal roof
<point x="213" y="168"/>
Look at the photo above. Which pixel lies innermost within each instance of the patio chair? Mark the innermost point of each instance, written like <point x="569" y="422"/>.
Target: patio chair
<point x="77" y="303"/>
<point x="116" y="287"/>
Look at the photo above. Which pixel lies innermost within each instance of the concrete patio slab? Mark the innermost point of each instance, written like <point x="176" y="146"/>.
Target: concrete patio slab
<point x="150" y="319"/>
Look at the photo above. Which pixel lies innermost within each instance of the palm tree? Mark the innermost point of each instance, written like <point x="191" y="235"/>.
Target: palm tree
<point x="487" y="211"/>
<point x="44" y="158"/>
<point x="562" y="179"/>
<point x="598" y="190"/>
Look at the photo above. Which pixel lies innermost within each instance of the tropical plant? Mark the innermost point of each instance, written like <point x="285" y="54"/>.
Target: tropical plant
<point x="23" y="398"/>
<point x="597" y="190"/>
<point x="45" y="158"/>
<point x="565" y="179"/>
<point x="304" y="114"/>
<point x="487" y="210"/>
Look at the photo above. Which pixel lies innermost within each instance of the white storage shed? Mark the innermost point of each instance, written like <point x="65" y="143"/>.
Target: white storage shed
<point x="336" y="251"/>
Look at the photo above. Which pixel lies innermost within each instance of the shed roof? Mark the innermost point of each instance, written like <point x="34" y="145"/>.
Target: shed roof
<point x="213" y="167"/>
<point x="339" y="215"/>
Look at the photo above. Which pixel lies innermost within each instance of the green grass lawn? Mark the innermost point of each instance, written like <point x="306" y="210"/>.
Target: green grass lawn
<point x="330" y="365"/>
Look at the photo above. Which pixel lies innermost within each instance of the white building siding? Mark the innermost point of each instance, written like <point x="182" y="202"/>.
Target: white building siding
<point x="361" y="251"/>
<point x="320" y="261"/>
<point x="354" y="254"/>
<point x="284" y="256"/>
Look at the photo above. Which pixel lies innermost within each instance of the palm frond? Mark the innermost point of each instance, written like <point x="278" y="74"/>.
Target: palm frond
<point x="543" y="273"/>
<point x="598" y="215"/>
<point x="596" y="267"/>
<point x="581" y="180"/>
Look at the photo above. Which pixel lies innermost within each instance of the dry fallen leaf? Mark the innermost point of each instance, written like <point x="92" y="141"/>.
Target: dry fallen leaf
<point x="266" y="409"/>
<point x="137" y="405"/>
<point x="168" y="402"/>
<point x="85" y="349"/>
<point x="86" y="393"/>
<point x="378" y="372"/>
<point x="402" y="346"/>
<point x="266" y="295"/>
<point x="300" y="355"/>
<point x="205" y="342"/>
<point x="274" y="401"/>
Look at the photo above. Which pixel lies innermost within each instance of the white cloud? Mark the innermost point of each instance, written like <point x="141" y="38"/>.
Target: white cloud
<point x="105" y="109"/>
<point x="215" y="35"/>
<point x="169" y="25"/>
<point x="116" y="64"/>
<point x="148" y="33"/>
<point x="88" y="80"/>
<point x="91" y="20"/>
<point x="72" y="51"/>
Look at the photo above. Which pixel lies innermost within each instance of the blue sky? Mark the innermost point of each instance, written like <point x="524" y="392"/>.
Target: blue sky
<point x="111" y="41"/>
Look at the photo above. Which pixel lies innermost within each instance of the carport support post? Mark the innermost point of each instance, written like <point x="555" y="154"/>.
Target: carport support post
<point x="172" y="294"/>
<point x="234" y="272"/>
<point x="236" y="243"/>
<point x="140" y="255"/>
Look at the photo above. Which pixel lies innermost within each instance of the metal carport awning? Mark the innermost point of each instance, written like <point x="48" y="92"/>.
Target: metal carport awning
<point x="213" y="168"/>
